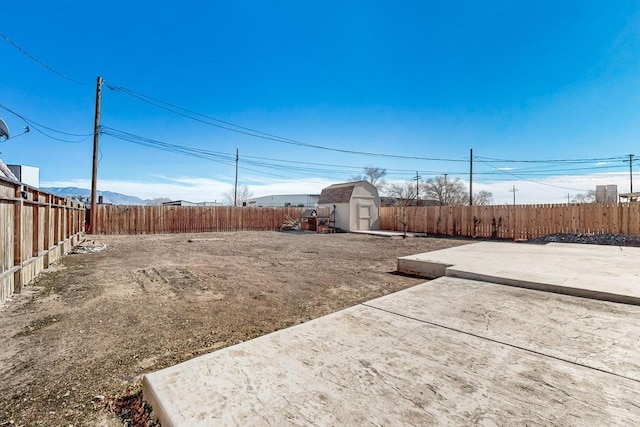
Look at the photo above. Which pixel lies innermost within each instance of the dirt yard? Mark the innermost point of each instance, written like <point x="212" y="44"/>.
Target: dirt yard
<point x="87" y="330"/>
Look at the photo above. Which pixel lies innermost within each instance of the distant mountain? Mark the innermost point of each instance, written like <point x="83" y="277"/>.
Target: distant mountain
<point x="107" y="196"/>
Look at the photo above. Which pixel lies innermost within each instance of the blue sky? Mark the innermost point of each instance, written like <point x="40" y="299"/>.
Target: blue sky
<point x="515" y="80"/>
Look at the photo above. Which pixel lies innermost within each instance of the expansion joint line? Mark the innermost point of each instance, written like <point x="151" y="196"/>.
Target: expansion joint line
<point x="503" y="343"/>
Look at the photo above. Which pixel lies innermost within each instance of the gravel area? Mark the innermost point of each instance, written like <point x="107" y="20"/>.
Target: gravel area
<point x="590" y="239"/>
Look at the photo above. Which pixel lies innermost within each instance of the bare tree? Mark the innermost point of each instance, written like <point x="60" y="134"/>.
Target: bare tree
<point x="446" y="191"/>
<point x="405" y="195"/>
<point x="373" y="175"/>
<point x="587" y="197"/>
<point x="483" y="198"/>
<point x="244" y="194"/>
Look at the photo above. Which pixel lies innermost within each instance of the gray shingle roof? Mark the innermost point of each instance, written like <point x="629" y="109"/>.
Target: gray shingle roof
<point x="337" y="193"/>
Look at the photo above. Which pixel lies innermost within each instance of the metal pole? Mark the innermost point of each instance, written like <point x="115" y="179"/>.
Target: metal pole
<point x="631" y="172"/>
<point x="471" y="177"/>
<point x="514" y="189"/>
<point x="417" y="189"/>
<point x="96" y="139"/>
<point x="235" y="191"/>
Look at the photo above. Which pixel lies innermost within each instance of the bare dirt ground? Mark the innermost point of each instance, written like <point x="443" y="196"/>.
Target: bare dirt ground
<point x="92" y="325"/>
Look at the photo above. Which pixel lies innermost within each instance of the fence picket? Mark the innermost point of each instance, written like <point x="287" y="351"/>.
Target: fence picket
<point x="515" y="222"/>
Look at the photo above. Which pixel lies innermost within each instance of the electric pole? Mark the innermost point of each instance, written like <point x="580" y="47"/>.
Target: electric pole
<point x="445" y="191"/>
<point x="235" y="191"/>
<point x="471" y="177"/>
<point x="417" y="189"/>
<point x="513" y="190"/>
<point x="631" y="156"/>
<point x="94" y="176"/>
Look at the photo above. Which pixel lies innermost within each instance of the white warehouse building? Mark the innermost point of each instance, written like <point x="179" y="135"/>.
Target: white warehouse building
<point x="282" y="200"/>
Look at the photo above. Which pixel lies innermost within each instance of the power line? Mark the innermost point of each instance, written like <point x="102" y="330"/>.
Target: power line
<point x="531" y="180"/>
<point x="212" y="121"/>
<point x="599" y="159"/>
<point x="39" y="62"/>
<point x="36" y="126"/>
<point x="286" y="165"/>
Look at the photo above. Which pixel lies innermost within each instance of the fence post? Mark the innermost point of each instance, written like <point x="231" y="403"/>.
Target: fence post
<point x="17" y="240"/>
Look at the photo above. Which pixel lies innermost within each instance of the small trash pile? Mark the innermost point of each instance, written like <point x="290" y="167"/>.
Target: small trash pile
<point x="590" y="239"/>
<point x="88" y="247"/>
<point x="290" y="224"/>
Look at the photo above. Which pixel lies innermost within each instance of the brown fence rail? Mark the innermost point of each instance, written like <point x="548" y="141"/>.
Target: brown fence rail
<point x="515" y="222"/>
<point x="188" y="219"/>
<point x="36" y="229"/>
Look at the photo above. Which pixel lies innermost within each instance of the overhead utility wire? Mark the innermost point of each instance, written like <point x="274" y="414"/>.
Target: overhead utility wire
<point x="536" y="182"/>
<point x="167" y="106"/>
<point x="35" y="126"/>
<point x="203" y="154"/>
<point x="39" y="62"/>
<point x="258" y="134"/>
<point x="494" y="160"/>
<point x="188" y="151"/>
<point x="264" y="162"/>
<point x="148" y="142"/>
<point x="199" y="153"/>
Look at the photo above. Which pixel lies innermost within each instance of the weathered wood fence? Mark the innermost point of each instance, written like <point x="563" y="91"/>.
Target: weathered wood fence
<point x="188" y="219"/>
<point x="36" y="229"/>
<point x="515" y="222"/>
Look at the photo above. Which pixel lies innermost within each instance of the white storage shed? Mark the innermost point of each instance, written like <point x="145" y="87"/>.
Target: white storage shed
<point x="353" y="205"/>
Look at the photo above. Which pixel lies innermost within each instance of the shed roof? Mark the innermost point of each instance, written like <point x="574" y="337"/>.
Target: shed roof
<point x="338" y="193"/>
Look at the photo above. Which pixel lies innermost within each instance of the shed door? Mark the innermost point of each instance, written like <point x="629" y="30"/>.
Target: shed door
<point x="364" y="217"/>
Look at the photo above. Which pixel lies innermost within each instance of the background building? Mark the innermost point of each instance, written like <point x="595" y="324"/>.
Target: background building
<point x="282" y="200"/>
<point x="29" y="175"/>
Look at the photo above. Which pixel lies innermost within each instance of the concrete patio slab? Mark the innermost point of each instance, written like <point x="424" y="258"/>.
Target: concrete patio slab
<point x="447" y="352"/>
<point x="387" y="233"/>
<point x="609" y="273"/>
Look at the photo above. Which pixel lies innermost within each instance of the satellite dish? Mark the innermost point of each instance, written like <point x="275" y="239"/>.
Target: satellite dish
<point x="4" y="129"/>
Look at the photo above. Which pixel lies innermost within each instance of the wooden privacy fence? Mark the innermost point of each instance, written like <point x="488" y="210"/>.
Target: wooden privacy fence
<point x="515" y="222"/>
<point x="36" y="229"/>
<point x="188" y="219"/>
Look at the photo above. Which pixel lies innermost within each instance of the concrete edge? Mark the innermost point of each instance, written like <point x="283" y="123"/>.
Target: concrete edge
<point x="150" y="396"/>
<point x="540" y="286"/>
<point x="153" y="397"/>
<point x="426" y="269"/>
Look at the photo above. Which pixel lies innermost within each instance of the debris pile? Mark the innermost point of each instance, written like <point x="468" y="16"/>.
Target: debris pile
<point x="290" y="224"/>
<point x="129" y="407"/>
<point x="590" y="239"/>
<point x="88" y="247"/>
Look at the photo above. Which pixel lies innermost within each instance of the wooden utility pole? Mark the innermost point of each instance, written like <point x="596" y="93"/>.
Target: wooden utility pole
<point x="445" y="191"/>
<point x="94" y="176"/>
<point x="631" y="156"/>
<point x="235" y="188"/>
<point x="417" y="189"/>
<point x="513" y="190"/>
<point x="471" y="177"/>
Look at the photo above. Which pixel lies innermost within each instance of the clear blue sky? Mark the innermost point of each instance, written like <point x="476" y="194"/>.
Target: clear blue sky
<point x="510" y="79"/>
